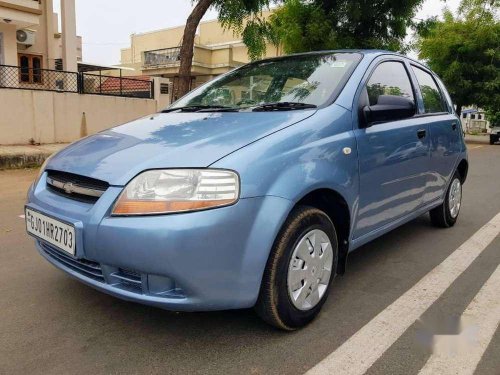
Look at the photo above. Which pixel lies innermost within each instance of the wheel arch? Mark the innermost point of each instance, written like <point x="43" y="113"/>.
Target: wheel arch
<point x="336" y="207"/>
<point x="463" y="169"/>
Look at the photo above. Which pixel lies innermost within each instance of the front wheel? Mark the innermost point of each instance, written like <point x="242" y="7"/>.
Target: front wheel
<point x="300" y="270"/>
<point x="446" y="214"/>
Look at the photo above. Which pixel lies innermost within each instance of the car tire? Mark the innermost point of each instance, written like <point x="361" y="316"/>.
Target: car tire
<point x="492" y="140"/>
<point x="446" y="214"/>
<point x="279" y="303"/>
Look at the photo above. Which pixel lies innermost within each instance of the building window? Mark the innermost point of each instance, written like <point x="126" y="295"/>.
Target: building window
<point x="479" y="117"/>
<point x="30" y="69"/>
<point x="473" y="116"/>
<point x="464" y="115"/>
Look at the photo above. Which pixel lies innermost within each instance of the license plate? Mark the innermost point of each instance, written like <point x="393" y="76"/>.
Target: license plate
<point x="53" y="231"/>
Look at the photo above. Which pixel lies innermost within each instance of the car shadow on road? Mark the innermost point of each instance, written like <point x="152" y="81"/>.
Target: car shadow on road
<point x="364" y="259"/>
<point x="240" y="334"/>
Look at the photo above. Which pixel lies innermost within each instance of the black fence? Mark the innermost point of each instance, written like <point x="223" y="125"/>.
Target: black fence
<point x="14" y="77"/>
<point x="116" y="86"/>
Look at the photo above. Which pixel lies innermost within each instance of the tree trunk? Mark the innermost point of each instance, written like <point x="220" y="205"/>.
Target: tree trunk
<point x="187" y="48"/>
<point x="458" y="110"/>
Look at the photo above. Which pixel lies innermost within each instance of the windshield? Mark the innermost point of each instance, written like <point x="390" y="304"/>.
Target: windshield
<point x="306" y="79"/>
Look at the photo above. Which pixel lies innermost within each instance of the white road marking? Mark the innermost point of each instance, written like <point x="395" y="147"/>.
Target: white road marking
<point x="360" y="351"/>
<point x="22" y="216"/>
<point x="475" y="147"/>
<point x="482" y="318"/>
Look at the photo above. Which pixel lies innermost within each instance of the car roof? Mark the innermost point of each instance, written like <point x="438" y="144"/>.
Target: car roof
<point x="372" y="53"/>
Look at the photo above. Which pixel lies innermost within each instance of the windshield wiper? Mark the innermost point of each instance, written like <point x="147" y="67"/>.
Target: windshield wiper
<point x="282" y="106"/>
<point x="201" y="108"/>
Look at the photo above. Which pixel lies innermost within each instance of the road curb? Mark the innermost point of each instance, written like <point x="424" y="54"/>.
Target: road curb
<point x="27" y="156"/>
<point x="20" y="161"/>
<point x="475" y="140"/>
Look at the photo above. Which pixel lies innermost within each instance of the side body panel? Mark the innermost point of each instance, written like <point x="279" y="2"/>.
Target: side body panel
<point x="445" y="151"/>
<point x="447" y="142"/>
<point x="393" y="165"/>
<point x="308" y="156"/>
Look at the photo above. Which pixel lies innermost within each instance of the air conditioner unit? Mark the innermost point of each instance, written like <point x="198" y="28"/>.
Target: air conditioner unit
<point x="25" y="37"/>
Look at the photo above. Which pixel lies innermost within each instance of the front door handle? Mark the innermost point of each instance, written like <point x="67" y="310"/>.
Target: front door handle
<point x="454" y="125"/>
<point x="421" y="133"/>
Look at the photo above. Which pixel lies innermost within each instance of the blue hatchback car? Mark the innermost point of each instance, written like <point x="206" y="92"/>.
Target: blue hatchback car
<point x="251" y="190"/>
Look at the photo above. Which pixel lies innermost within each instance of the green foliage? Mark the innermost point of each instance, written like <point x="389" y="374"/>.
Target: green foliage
<point x="245" y="17"/>
<point x="300" y="26"/>
<point x="308" y="25"/>
<point x="493" y="115"/>
<point x="376" y="89"/>
<point x="252" y="35"/>
<point x="233" y="13"/>
<point x="465" y="51"/>
<point x="432" y="99"/>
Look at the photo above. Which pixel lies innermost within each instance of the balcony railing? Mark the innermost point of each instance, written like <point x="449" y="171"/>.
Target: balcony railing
<point x="162" y="57"/>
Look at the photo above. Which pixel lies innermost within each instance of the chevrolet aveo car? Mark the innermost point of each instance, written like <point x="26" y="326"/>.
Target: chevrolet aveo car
<point x="251" y="190"/>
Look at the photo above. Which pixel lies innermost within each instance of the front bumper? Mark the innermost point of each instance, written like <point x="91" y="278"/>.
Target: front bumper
<point x="199" y="261"/>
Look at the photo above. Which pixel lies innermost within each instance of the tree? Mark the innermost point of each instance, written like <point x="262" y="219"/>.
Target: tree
<point x="464" y="50"/>
<point x="232" y="13"/>
<point x="493" y="116"/>
<point x="301" y="25"/>
<point x="187" y="47"/>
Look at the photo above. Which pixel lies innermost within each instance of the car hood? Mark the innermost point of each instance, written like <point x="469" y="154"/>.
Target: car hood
<point x="168" y="140"/>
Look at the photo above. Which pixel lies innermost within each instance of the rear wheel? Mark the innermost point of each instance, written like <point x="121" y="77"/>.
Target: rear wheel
<point x="299" y="271"/>
<point x="492" y="140"/>
<point x="446" y="214"/>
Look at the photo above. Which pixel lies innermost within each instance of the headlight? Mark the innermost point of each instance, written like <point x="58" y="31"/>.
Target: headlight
<point x="178" y="190"/>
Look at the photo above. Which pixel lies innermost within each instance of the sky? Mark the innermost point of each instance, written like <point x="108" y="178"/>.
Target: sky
<point x="106" y="26"/>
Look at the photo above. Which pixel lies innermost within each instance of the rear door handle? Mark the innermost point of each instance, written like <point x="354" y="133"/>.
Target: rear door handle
<point x="454" y="125"/>
<point x="421" y="133"/>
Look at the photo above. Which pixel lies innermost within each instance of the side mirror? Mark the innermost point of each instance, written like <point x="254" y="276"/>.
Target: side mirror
<point x="388" y="108"/>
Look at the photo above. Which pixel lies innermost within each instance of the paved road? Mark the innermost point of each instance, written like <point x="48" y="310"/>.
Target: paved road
<point x="50" y="323"/>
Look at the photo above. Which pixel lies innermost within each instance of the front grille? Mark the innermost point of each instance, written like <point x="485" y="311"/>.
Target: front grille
<point x="85" y="267"/>
<point x="76" y="187"/>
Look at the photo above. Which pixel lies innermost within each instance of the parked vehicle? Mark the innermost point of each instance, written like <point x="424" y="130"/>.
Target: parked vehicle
<point x="252" y="189"/>
<point x="494" y="134"/>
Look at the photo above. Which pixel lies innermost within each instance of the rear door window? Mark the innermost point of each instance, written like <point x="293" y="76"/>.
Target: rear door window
<point x="431" y="95"/>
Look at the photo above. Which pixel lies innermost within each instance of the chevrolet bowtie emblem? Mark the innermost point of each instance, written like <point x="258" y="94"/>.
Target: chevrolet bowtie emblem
<point x="68" y="188"/>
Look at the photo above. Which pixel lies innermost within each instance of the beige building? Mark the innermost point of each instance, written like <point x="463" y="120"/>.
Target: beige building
<point x="30" y="39"/>
<point x="216" y="51"/>
<point x="46" y="95"/>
